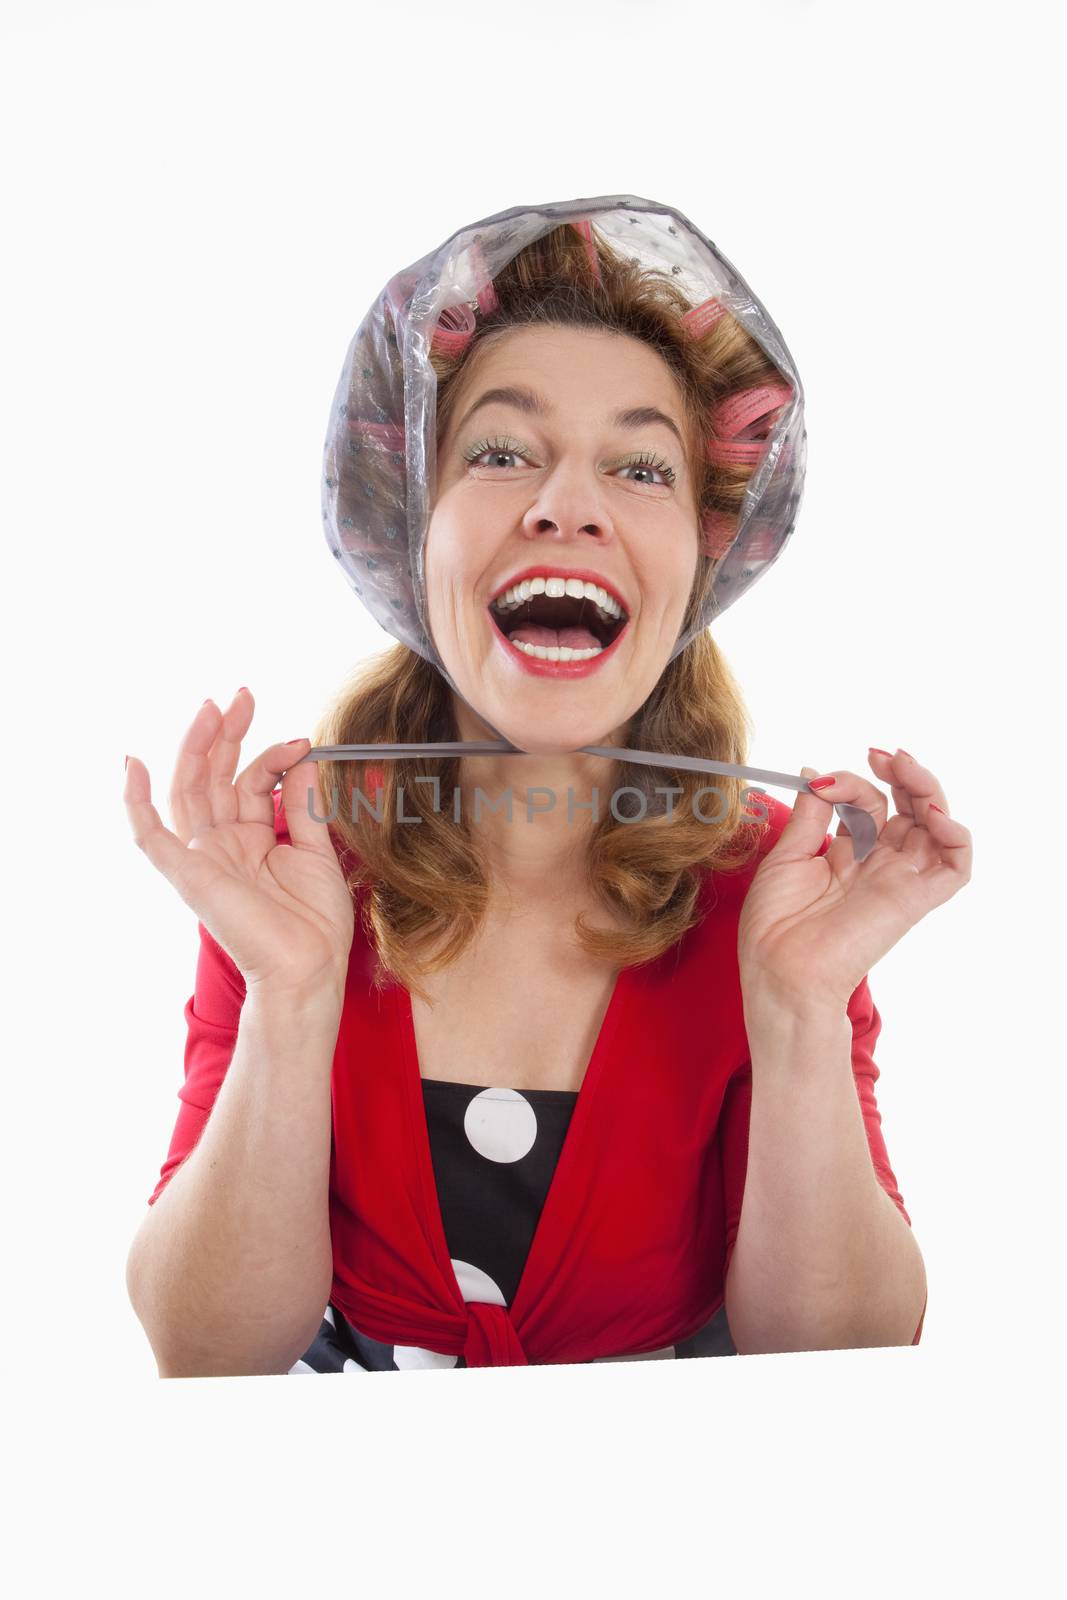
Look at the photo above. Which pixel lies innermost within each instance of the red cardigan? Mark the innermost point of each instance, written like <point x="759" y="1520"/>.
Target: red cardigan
<point x="637" y="1231"/>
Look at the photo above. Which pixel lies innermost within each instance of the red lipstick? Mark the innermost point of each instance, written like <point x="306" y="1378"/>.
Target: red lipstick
<point x="556" y="669"/>
<point x="541" y="570"/>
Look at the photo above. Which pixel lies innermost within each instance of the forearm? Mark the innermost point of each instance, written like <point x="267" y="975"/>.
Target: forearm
<point x="823" y="1258"/>
<point x="231" y="1269"/>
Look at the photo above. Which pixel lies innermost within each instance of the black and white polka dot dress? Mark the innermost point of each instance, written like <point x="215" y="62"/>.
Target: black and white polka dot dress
<point x="494" y="1155"/>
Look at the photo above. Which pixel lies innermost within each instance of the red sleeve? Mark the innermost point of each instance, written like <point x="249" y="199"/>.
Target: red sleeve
<point x="212" y="1014"/>
<point x="737" y="1107"/>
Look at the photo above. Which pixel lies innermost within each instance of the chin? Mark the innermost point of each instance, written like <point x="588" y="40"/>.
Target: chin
<point x="538" y="734"/>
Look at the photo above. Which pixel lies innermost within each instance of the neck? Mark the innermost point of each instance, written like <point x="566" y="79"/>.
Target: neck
<point x="540" y="852"/>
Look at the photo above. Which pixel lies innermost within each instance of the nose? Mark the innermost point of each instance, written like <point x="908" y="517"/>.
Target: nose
<point x="564" y="516"/>
<point x="544" y="527"/>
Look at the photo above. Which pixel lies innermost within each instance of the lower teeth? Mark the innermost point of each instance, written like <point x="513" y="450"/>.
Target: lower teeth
<point x="556" y="652"/>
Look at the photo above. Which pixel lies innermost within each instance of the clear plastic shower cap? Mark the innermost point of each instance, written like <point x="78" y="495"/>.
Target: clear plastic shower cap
<point x="379" y="469"/>
<point x="379" y="475"/>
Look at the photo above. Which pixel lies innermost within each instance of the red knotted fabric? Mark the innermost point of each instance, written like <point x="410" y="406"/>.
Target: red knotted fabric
<point x="634" y="1240"/>
<point x="491" y="1339"/>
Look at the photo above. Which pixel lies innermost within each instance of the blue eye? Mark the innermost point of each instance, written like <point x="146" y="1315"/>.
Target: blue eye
<point x="496" y="447"/>
<point x="654" y="463"/>
<point x="509" y="447"/>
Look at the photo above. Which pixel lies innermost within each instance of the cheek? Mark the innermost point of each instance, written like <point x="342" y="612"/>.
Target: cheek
<point x="684" y="569"/>
<point x="459" y="551"/>
<point x="440" y="555"/>
<point x="435" y="566"/>
<point x="450" y="564"/>
<point x="668" y="581"/>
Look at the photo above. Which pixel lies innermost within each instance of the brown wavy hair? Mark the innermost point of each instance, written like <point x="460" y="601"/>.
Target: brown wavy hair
<point x="426" y="887"/>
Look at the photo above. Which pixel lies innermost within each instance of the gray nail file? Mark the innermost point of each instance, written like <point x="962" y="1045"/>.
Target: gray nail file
<point x="860" y="823"/>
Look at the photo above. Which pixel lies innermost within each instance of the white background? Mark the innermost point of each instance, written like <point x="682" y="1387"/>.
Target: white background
<point x="201" y="202"/>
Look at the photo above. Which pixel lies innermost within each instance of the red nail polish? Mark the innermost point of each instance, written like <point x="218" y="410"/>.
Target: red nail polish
<point x="295" y="741"/>
<point x="937" y="808"/>
<point x="874" y="748"/>
<point x="820" y="783"/>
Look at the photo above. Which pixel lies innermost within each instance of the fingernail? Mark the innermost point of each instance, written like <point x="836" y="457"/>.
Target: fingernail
<point x="936" y="808"/>
<point x="296" y="741"/>
<point x="126" y="763"/>
<point x="820" y="783"/>
<point x="872" y="749"/>
<point x="901" y="752"/>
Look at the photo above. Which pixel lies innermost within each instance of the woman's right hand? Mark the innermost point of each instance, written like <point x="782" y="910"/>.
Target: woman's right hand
<point x="282" y="912"/>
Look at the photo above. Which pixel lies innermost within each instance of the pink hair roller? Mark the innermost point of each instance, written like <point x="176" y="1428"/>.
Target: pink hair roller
<point x="702" y="317"/>
<point x="585" y="228"/>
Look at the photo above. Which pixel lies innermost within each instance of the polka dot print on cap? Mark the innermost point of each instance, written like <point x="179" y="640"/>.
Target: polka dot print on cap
<point x="501" y="1124"/>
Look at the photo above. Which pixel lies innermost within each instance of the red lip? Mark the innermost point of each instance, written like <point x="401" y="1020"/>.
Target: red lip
<point x="555" y="669"/>
<point x="543" y="570"/>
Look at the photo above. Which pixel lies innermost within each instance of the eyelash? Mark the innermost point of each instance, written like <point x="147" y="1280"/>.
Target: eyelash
<point x="646" y="458"/>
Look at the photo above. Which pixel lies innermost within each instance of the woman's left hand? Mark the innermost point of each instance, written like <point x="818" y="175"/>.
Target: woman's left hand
<point x="812" y="926"/>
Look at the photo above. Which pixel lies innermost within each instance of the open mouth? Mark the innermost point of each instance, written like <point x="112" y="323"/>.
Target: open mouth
<point x="557" y="619"/>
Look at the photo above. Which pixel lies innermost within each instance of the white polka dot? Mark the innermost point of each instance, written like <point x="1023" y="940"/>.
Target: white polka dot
<point x="351" y="1366"/>
<point x="409" y="1357"/>
<point x="501" y="1124"/>
<point x="301" y="1366"/>
<point x="474" y="1284"/>
<point x="644" y="1355"/>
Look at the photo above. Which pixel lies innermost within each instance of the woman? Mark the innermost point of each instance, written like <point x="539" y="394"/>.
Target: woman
<point x="527" y="1056"/>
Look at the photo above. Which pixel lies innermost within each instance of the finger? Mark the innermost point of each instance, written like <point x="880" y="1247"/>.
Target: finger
<point x="914" y="786"/>
<point x="901" y="831"/>
<point x="255" y="786"/>
<point x="304" y="804"/>
<point x="190" y="787"/>
<point x="927" y="843"/>
<point x="225" y="753"/>
<point x="849" y="788"/>
<point x="805" y="832"/>
<point x="184" y="868"/>
<point x="956" y="849"/>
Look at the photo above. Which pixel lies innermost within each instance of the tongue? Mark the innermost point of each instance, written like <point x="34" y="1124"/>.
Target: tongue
<point x="535" y="633"/>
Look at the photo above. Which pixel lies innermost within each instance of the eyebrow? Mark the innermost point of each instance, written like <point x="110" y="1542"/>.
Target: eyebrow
<point x="534" y="405"/>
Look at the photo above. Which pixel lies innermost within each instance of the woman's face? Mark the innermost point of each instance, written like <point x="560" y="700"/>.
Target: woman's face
<point x="549" y="496"/>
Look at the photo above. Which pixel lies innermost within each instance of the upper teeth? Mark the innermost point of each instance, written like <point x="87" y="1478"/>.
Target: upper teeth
<point x="555" y="589"/>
